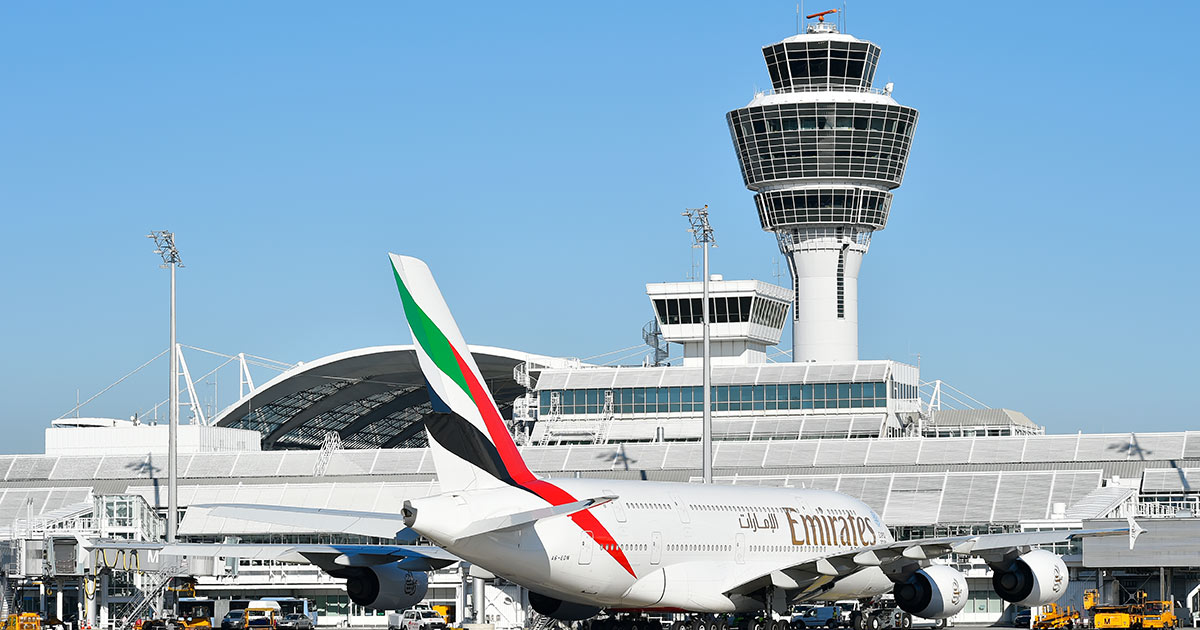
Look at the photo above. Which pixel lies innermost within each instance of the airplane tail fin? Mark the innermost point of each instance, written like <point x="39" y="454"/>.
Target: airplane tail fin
<point x="470" y="442"/>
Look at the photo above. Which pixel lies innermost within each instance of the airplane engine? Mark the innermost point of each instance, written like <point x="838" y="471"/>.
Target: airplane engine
<point x="384" y="587"/>
<point x="935" y="592"/>
<point x="560" y="610"/>
<point x="1033" y="579"/>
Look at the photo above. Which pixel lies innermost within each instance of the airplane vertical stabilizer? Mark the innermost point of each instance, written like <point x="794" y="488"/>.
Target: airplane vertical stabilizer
<point x="470" y="442"/>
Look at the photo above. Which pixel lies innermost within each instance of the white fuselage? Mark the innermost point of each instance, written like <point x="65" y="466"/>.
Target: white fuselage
<point x="671" y="546"/>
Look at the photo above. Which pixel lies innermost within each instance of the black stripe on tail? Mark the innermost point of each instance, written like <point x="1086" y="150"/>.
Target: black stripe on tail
<point x="460" y="437"/>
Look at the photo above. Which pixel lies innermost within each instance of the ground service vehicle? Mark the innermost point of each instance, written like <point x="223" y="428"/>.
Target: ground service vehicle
<point x="196" y="612"/>
<point x="1054" y="617"/>
<point x="23" y="621"/>
<point x="817" y="617"/>
<point x="1141" y="613"/>
<point x="417" y="619"/>
<point x="1023" y="618"/>
<point x="261" y="614"/>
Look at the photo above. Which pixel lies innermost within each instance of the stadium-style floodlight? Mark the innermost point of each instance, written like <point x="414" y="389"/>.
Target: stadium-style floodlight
<point x="170" y="256"/>
<point x="702" y="235"/>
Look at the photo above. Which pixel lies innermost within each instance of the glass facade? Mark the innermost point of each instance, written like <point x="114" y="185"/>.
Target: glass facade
<point x="637" y="400"/>
<point x="781" y="208"/>
<point x="796" y="65"/>
<point x="795" y="140"/>
<point x="721" y="310"/>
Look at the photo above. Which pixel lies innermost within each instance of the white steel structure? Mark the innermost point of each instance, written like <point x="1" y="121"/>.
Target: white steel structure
<point x="822" y="150"/>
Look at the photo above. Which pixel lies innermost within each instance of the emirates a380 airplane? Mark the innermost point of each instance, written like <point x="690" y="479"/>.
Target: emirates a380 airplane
<point x="584" y="545"/>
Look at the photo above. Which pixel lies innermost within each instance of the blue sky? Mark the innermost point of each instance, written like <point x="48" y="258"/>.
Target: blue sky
<point x="538" y="156"/>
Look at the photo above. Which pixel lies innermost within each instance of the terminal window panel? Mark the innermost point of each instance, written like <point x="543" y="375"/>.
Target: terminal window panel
<point x="641" y="400"/>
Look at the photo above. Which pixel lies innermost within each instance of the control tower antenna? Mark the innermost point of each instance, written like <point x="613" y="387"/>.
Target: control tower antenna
<point x="822" y="153"/>
<point x="165" y="241"/>
<point x="702" y="235"/>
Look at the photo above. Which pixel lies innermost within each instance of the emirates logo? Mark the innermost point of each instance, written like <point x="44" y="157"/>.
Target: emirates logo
<point x="955" y="592"/>
<point x="1058" y="580"/>
<point x="410" y="584"/>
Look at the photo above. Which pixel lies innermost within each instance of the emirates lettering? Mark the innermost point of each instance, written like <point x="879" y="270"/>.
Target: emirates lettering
<point x="829" y="530"/>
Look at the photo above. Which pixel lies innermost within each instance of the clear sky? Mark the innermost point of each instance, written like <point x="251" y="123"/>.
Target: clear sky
<point x="1038" y="255"/>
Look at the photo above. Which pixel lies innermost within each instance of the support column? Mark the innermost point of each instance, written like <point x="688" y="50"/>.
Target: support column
<point x="479" y="601"/>
<point x="461" y="613"/>
<point x="58" y="599"/>
<point x="102" y="599"/>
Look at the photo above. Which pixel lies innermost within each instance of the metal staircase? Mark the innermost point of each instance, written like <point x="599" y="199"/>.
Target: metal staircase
<point x="5" y="598"/>
<point x="159" y="581"/>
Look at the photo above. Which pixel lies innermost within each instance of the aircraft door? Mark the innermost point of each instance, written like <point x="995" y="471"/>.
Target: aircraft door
<point x="655" y="547"/>
<point x="739" y="548"/>
<point x="585" y="547"/>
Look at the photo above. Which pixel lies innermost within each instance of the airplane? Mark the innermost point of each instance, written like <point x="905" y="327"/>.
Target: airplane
<point x="583" y="546"/>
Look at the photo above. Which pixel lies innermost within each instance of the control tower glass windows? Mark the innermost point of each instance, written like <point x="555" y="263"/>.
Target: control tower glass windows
<point x="806" y="65"/>
<point x="722" y="310"/>
<point x="835" y="140"/>
<point x="823" y="205"/>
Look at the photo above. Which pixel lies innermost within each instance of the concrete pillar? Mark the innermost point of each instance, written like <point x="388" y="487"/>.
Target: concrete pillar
<point x="58" y="599"/>
<point x="42" y="598"/>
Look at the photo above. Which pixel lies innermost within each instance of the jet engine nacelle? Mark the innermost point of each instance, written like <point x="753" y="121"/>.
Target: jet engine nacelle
<point x="384" y="587"/>
<point x="560" y="610"/>
<point x="935" y="592"/>
<point x="1033" y="579"/>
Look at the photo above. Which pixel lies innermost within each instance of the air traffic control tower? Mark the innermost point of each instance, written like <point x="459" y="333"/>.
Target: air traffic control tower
<point x="822" y="152"/>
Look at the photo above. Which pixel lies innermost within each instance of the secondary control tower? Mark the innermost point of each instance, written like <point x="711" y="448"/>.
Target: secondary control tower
<point x="822" y="151"/>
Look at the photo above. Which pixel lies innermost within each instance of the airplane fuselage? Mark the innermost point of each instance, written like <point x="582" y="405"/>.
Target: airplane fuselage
<point x="672" y="546"/>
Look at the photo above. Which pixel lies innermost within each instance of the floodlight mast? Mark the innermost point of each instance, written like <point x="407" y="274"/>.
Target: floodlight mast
<point x="702" y="235"/>
<point x="165" y="241"/>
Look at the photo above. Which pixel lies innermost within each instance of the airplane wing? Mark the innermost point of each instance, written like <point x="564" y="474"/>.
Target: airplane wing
<point x="902" y="557"/>
<point x="378" y="524"/>
<point x="327" y="557"/>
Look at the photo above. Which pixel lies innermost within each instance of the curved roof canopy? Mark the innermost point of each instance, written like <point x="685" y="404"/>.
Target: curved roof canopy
<point x="372" y="397"/>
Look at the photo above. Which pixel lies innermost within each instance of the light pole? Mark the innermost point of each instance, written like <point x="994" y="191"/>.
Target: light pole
<point x="702" y="235"/>
<point x="165" y="241"/>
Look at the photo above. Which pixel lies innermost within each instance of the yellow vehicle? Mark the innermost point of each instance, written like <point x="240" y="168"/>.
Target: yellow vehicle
<point x="1054" y="617"/>
<point x="23" y="621"/>
<point x="1141" y="613"/>
<point x="196" y="612"/>
<point x="444" y="611"/>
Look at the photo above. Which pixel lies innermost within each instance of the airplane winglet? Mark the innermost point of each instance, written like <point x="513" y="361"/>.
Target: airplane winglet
<point x="1135" y="530"/>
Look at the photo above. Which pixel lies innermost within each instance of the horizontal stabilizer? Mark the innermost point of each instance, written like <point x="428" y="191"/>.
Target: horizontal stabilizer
<point x="509" y="521"/>
<point x="378" y="524"/>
